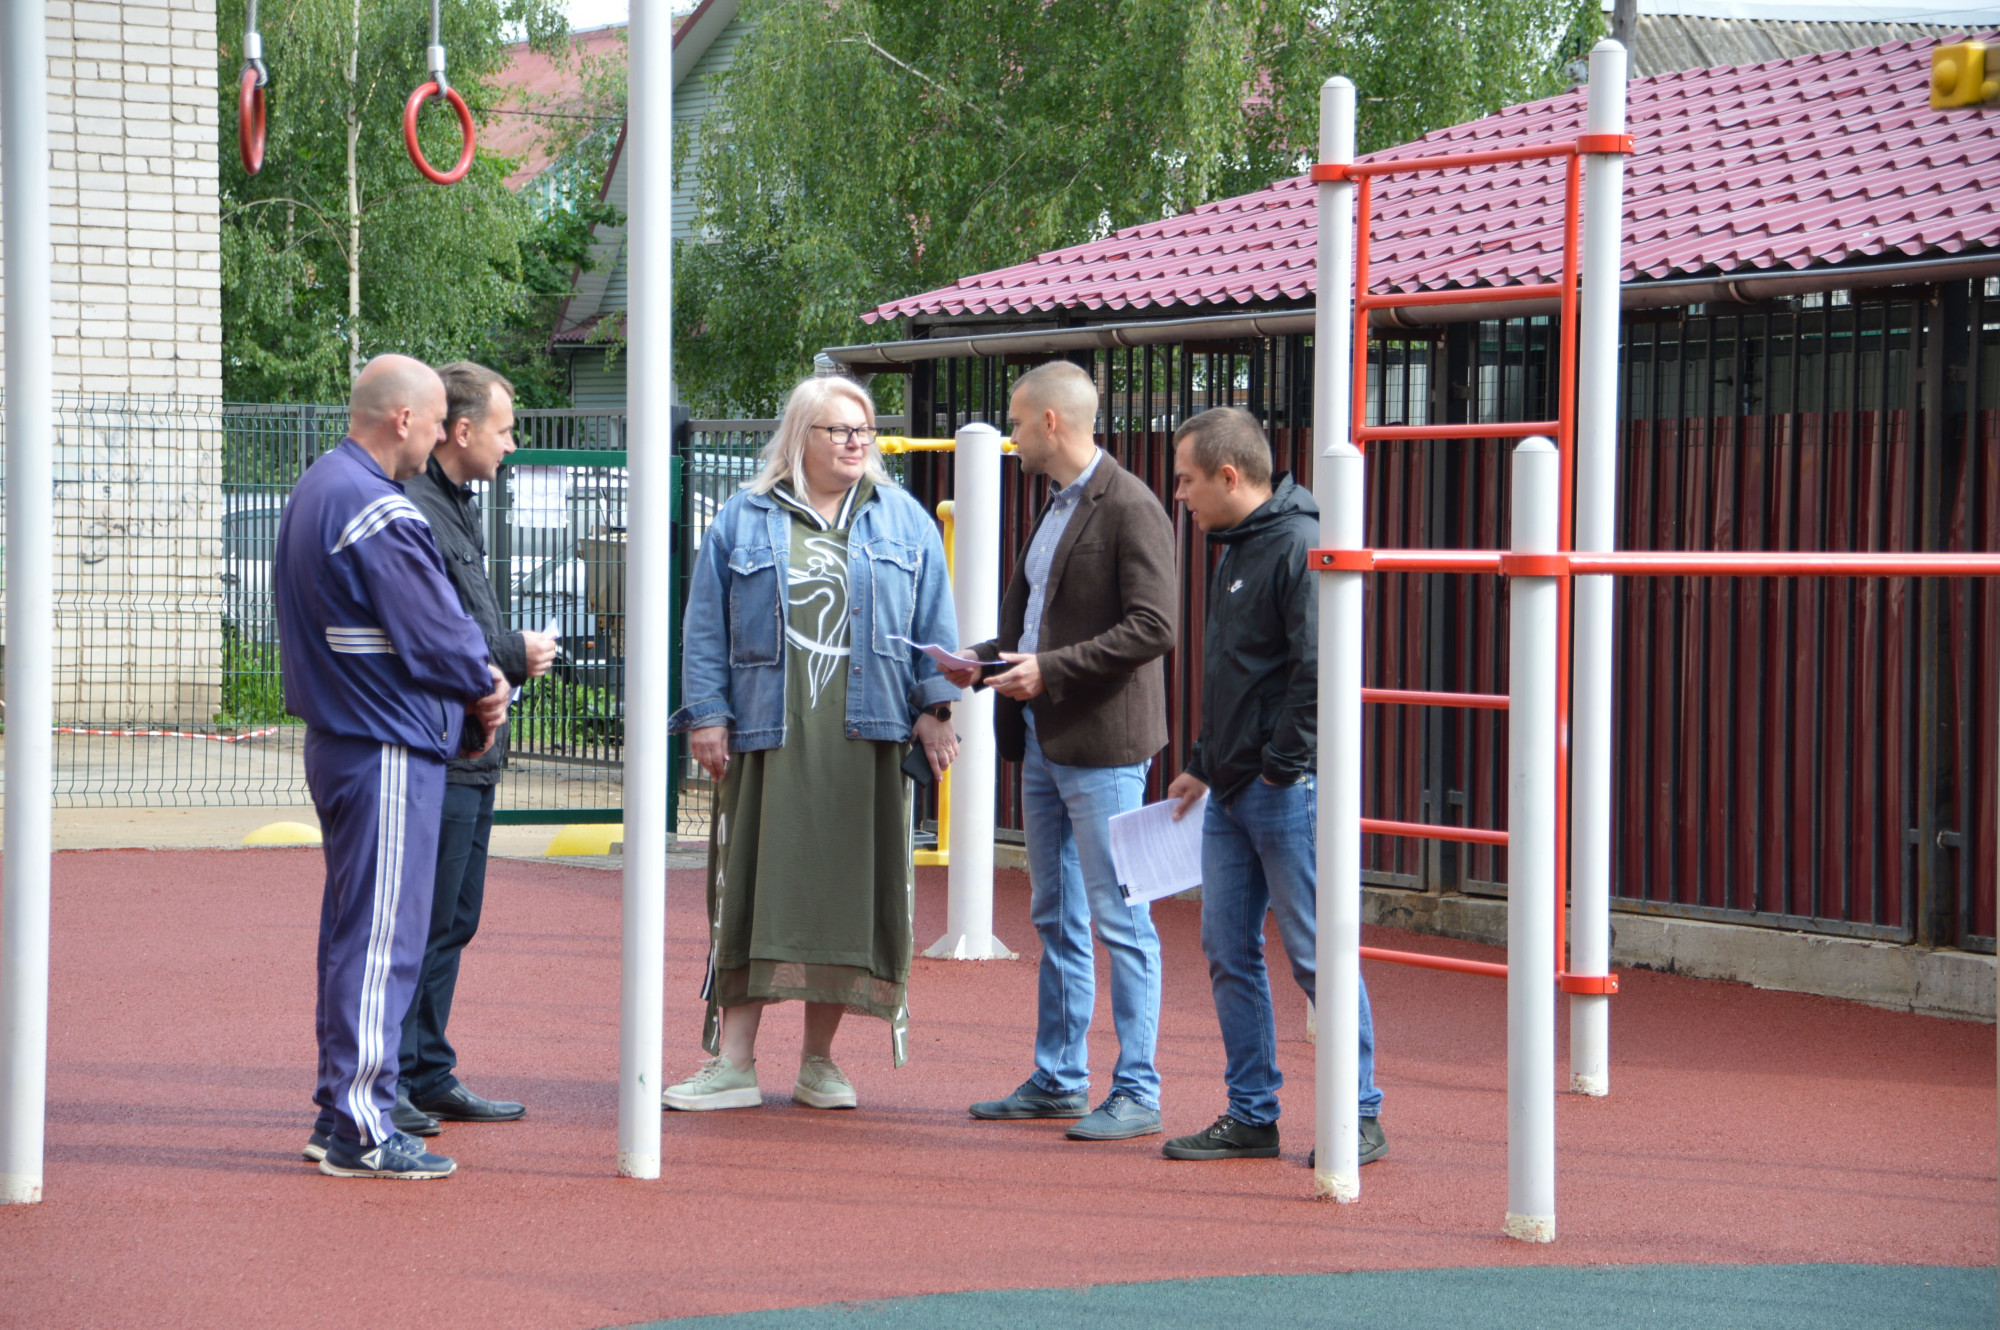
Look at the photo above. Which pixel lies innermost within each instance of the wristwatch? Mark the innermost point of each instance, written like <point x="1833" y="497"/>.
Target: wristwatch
<point x="942" y="711"/>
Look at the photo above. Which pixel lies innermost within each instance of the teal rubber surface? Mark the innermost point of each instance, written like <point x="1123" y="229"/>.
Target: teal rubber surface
<point x="1631" y="1297"/>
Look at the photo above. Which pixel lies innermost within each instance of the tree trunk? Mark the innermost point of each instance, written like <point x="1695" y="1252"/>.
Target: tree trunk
<point x="354" y="200"/>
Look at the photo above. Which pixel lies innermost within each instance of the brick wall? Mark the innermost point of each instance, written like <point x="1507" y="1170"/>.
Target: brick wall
<point x="138" y="360"/>
<point x="132" y="137"/>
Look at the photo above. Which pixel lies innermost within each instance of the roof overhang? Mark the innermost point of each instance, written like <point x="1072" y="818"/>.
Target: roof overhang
<point x="893" y="357"/>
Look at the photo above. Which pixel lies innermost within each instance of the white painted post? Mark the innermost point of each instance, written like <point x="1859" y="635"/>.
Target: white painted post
<point x="1531" y="854"/>
<point x="648" y="590"/>
<point x="1337" y="486"/>
<point x="1596" y="530"/>
<point x="968" y="934"/>
<point x="30" y="379"/>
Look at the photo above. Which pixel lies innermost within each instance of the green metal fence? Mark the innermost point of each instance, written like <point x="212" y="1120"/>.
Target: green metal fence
<point x="168" y="683"/>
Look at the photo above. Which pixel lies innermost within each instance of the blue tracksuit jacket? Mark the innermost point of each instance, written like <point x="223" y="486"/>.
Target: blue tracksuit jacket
<point x="371" y="636"/>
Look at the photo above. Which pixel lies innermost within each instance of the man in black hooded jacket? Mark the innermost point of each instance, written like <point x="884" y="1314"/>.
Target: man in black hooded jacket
<point x="1255" y="761"/>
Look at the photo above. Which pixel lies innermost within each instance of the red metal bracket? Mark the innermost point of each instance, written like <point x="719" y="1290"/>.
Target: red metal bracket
<point x="1534" y="565"/>
<point x="1332" y="173"/>
<point x="1604" y="143"/>
<point x="1340" y="561"/>
<point x="1597" y="985"/>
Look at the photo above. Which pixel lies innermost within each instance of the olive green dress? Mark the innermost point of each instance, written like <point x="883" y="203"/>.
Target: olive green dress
<point x="810" y="892"/>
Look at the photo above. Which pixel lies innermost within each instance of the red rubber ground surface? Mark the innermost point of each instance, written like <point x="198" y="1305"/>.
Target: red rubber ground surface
<point x="1745" y="1127"/>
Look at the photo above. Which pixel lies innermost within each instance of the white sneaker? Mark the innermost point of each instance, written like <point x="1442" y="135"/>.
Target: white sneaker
<point x="822" y="1085"/>
<point x="717" y="1085"/>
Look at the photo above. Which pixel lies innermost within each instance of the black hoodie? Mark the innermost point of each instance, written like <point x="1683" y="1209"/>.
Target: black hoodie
<point x="1260" y="650"/>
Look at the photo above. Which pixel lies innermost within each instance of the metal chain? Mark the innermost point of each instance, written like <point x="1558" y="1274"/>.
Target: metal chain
<point x="253" y="44"/>
<point x="435" y="51"/>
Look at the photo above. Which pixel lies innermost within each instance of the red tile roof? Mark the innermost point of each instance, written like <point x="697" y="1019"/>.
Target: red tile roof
<point x="1778" y="166"/>
<point x="532" y="81"/>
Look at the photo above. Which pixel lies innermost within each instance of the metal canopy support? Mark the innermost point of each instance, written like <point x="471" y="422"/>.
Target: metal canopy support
<point x="30" y="379"/>
<point x="649" y="592"/>
<point x="968" y="934"/>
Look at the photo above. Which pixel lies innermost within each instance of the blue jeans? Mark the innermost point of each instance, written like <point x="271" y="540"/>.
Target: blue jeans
<point x="1064" y="814"/>
<point x="1259" y="854"/>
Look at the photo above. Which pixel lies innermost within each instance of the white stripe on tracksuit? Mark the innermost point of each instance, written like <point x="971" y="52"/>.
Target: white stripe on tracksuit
<point x="377" y="1040"/>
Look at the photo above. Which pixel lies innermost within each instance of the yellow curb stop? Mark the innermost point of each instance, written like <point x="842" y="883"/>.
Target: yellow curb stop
<point x="593" y="838"/>
<point x="284" y="833"/>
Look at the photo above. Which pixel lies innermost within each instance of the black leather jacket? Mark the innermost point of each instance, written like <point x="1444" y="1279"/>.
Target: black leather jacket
<point x="1260" y="650"/>
<point x="454" y="517"/>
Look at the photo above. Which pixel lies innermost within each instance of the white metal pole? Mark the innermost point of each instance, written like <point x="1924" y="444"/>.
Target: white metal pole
<point x="30" y="379"/>
<point x="648" y="589"/>
<point x="968" y="934"/>
<point x="1596" y="530"/>
<point x="1337" y="487"/>
<point x="1532" y="604"/>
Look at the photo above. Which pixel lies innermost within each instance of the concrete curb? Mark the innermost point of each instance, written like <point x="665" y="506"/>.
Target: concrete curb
<point x="1956" y="984"/>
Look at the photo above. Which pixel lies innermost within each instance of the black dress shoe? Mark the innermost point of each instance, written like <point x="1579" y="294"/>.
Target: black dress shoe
<point x="412" y="1120"/>
<point x="459" y="1104"/>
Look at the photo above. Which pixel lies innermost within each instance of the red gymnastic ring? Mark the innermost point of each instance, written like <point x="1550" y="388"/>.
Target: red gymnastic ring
<point x="410" y="110"/>
<point x="250" y="122"/>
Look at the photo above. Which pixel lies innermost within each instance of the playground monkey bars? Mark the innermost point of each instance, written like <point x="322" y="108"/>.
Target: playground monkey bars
<point x="1563" y="508"/>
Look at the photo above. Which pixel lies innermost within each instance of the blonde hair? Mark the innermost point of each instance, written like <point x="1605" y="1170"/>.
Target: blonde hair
<point x="785" y="455"/>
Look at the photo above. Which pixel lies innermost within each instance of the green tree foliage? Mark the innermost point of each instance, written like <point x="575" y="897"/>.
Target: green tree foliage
<point x="338" y="249"/>
<point x="869" y="149"/>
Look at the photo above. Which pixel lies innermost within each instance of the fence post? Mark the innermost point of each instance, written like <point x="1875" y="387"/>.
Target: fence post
<point x="968" y="934"/>
<point x="1338" y="474"/>
<point x="1531" y="854"/>
<point x="649" y="595"/>
<point x="30" y="378"/>
<point x="1596" y="530"/>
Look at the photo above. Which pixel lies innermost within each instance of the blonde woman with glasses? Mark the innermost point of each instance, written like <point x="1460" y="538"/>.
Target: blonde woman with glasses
<point x="801" y="706"/>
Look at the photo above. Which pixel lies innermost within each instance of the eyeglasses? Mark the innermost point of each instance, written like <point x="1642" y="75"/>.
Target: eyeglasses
<point x="840" y="434"/>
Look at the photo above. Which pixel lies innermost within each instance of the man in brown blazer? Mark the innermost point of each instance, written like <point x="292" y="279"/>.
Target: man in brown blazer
<point x="1085" y="620"/>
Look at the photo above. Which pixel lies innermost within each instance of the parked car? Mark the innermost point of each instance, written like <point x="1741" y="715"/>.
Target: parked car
<point x="249" y="540"/>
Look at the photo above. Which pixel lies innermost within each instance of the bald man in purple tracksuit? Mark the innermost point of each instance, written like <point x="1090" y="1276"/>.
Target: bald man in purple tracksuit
<point x="383" y="666"/>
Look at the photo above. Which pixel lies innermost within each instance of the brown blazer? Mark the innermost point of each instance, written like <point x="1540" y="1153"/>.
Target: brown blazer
<point x="1107" y="619"/>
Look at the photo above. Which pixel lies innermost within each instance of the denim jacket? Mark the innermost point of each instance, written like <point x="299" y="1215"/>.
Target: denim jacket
<point x="733" y="639"/>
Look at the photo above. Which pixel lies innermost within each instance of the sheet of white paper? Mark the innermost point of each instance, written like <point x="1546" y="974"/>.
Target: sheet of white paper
<point x="942" y="655"/>
<point x="540" y="496"/>
<point x="553" y="630"/>
<point x="1156" y="856"/>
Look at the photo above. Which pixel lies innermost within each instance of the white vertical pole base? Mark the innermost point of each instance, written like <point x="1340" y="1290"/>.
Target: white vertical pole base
<point x="1529" y="1228"/>
<point x="1312" y="1022"/>
<point x="1342" y="1187"/>
<point x="634" y="1164"/>
<point x="20" y="1189"/>
<point x="1589" y="1040"/>
<point x="969" y="947"/>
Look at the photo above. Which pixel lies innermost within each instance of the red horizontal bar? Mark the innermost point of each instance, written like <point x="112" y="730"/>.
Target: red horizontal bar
<point x="1604" y="143"/>
<point x="1602" y="985"/>
<point x="1509" y="429"/>
<point x="1461" y="295"/>
<point x="1437" y="561"/>
<point x="1781" y="564"/>
<point x="1425" y="960"/>
<point x="1433" y="831"/>
<point x="1447" y="160"/>
<point x="1413" y="698"/>
<point x="1331" y="173"/>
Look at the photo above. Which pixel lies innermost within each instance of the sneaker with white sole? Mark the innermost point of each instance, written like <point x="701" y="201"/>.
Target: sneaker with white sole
<point x="823" y="1085"/>
<point x="401" y="1156"/>
<point x="719" y="1084"/>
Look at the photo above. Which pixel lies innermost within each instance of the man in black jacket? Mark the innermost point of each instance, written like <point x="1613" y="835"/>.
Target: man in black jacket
<point x="1255" y="760"/>
<point x="478" y="435"/>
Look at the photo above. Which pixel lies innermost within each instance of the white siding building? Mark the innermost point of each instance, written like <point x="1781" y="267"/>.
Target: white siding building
<point x="590" y="328"/>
